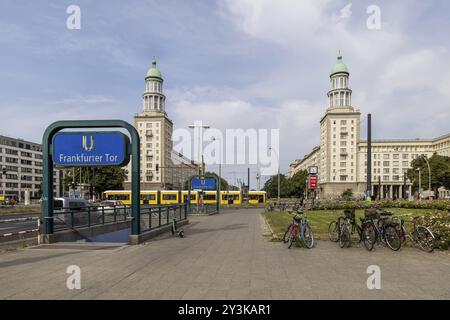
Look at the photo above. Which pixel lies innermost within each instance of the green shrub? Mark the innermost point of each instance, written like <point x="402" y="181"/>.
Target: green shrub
<point x="443" y="205"/>
<point x="439" y="223"/>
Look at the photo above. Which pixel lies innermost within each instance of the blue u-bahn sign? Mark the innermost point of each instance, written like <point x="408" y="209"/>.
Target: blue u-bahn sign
<point x="107" y="148"/>
<point x="204" y="184"/>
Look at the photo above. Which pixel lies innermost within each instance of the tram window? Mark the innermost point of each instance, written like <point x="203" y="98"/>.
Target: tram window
<point x="148" y="197"/>
<point x="193" y="197"/>
<point x="118" y="197"/>
<point x="169" y="197"/>
<point x="209" y="197"/>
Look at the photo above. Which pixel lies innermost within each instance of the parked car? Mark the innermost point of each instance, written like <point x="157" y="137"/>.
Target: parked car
<point x="65" y="209"/>
<point x="111" y="206"/>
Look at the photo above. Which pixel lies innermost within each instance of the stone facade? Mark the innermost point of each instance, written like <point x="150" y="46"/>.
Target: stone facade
<point x="342" y="156"/>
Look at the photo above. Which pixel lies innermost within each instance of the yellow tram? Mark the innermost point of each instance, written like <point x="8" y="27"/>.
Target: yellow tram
<point x="167" y="197"/>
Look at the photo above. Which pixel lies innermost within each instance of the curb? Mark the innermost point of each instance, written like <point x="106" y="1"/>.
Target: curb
<point x="267" y="226"/>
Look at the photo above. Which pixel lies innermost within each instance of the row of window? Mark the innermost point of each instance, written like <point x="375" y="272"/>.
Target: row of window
<point x="23" y="178"/>
<point x="385" y="178"/>
<point x="22" y="161"/>
<point x="395" y="156"/>
<point x="15" y="185"/>
<point x="17" y="144"/>
<point x="388" y="163"/>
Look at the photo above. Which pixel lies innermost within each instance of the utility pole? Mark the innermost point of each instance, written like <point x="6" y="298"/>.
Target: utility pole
<point x="369" y="156"/>
<point x="220" y="162"/>
<point x="248" y="186"/>
<point x="278" y="157"/>
<point x="258" y="178"/>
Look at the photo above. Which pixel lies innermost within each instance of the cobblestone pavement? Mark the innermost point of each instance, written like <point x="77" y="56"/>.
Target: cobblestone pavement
<point x="223" y="256"/>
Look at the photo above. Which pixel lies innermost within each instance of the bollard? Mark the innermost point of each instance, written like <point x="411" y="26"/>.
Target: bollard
<point x="39" y="231"/>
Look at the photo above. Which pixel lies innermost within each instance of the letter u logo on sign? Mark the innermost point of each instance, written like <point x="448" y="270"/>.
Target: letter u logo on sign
<point x="85" y="146"/>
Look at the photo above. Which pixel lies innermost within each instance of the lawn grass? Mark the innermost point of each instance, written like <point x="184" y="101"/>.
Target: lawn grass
<point x="320" y="220"/>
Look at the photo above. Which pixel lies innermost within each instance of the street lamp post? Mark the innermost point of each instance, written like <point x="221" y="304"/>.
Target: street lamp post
<point x="200" y="126"/>
<point x="220" y="163"/>
<point x="429" y="171"/>
<point x="420" y="184"/>
<point x="278" y="157"/>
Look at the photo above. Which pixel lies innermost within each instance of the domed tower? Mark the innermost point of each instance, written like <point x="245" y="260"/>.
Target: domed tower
<point x="153" y="98"/>
<point x="155" y="131"/>
<point x="339" y="136"/>
<point x="340" y="96"/>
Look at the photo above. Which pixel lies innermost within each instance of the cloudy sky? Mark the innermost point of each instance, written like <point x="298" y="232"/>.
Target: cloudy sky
<point x="231" y="63"/>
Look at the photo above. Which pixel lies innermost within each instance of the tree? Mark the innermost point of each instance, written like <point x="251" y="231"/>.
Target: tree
<point x="101" y="178"/>
<point x="271" y="186"/>
<point x="347" y="195"/>
<point x="440" y="172"/>
<point x="297" y="184"/>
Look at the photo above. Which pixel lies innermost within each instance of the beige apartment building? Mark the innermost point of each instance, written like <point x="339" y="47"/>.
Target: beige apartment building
<point x="342" y="157"/>
<point x="161" y="167"/>
<point x="22" y="162"/>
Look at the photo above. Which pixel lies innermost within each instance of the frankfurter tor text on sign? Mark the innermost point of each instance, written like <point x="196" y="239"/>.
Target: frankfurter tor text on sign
<point x="107" y="148"/>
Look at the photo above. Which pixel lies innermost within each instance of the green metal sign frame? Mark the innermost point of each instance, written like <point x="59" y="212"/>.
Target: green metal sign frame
<point x="47" y="186"/>
<point x="203" y="177"/>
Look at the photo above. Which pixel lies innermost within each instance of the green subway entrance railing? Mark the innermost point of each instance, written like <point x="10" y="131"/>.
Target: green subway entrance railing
<point x="153" y="217"/>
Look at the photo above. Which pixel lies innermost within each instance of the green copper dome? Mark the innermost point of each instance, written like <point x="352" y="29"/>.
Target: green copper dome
<point x="153" y="72"/>
<point x="339" y="67"/>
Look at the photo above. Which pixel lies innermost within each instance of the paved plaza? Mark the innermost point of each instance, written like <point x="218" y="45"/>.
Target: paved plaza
<point x="223" y="256"/>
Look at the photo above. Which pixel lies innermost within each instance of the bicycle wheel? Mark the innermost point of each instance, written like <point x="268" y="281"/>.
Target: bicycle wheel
<point x="402" y="233"/>
<point x="369" y="236"/>
<point x="292" y="237"/>
<point x="334" y="231"/>
<point x="287" y="234"/>
<point x="345" y="239"/>
<point x="392" y="237"/>
<point x="425" y="238"/>
<point x="307" y="236"/>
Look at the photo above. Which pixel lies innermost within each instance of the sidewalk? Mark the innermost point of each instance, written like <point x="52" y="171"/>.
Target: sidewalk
<point x="223" y="256"/>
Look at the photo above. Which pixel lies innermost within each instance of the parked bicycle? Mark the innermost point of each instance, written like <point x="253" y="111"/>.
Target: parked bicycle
<point x="281" y="206"/>
<point x="334" y="229"/>
<point x="378" y="226"/>
<point x="421" y="236"/>
<point x="348" y="228"/>
<point x="299" y="229"/>
<point x="270" y="207"/>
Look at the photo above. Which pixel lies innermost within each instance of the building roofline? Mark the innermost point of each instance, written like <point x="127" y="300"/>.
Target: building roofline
<point x="20" y="140"/>
<point x="306" y="157"/>
<point x="407" y="140"/>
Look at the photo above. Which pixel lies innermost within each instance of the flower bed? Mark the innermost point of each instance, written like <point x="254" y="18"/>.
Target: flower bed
<point x="439" y="223"/>
<point x="443" y="205"/>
